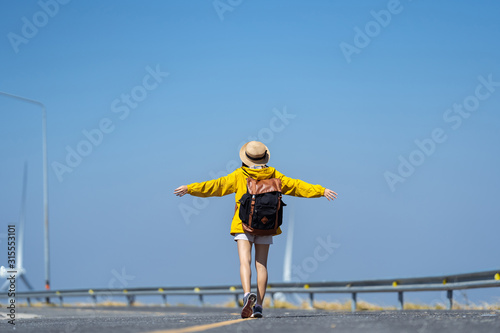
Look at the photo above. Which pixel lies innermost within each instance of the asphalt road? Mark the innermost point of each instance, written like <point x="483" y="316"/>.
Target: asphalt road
<point x="210" y="319"/>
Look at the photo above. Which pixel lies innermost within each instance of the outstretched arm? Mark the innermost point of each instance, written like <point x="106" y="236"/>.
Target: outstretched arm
<point x="211" y="188"/>
<point x="181" y="190"/>
<point x="299" y="188"/>
<point x="329" y="194"/>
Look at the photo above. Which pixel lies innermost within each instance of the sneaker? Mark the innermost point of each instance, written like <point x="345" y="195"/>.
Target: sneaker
<point x="248" y="302"/>
<point x="257" y="311"/>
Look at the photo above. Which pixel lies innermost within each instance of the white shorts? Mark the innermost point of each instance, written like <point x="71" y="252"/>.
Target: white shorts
<point x="254" y="239"/>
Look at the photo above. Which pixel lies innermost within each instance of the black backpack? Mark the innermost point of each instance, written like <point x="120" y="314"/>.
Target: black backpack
<point x="261" y="208"/>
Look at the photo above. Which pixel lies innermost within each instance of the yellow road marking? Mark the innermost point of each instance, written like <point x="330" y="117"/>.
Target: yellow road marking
<point x="200" y="328"/>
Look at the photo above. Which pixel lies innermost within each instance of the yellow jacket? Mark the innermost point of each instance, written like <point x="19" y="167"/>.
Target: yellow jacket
<point x="236" y="182"/>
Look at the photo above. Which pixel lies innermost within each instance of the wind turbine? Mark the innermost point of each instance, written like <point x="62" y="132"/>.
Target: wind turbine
<point x="19" y="270"/>
<point x="287" y="260"/>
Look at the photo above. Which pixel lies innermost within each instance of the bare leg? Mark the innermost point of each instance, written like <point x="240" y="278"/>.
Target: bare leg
<point x="245" y="254"/>
<point x="261" y="252"/>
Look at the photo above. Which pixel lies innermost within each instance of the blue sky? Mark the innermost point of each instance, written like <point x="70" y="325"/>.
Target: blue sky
<point x="392" y="104"/>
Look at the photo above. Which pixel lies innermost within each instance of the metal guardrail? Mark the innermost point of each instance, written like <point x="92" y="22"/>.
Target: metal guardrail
<point x="447" y="283"/>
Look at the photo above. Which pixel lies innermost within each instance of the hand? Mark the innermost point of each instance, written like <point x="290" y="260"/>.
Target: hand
<point x="181" y="190"/>
<point x="330" y="195"/>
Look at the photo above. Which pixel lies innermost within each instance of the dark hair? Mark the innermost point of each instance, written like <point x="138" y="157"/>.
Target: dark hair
<point x="244" y="165"/>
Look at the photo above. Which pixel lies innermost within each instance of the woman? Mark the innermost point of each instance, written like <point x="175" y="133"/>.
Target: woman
<point x="254" y="156"/>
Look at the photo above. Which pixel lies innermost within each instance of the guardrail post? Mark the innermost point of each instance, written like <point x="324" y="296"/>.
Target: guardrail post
<point x="271" y="303"/>
<point x="29" y="301"/>
<point x="236" y="301"/>
<point x="311" y="300"/>
<point x="60" y="301"/>
<point x="449" y="294"/>
<point x="354" y="304"/>
<point x="164" y="299"/>
<point x="94" y="298"/>
<point x="131" y="300"/>
<point x="401" y="301"/>
<point x="201" y="299"/>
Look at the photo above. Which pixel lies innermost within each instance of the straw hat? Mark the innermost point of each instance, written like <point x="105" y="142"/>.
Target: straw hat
<point x="254" y="153"/>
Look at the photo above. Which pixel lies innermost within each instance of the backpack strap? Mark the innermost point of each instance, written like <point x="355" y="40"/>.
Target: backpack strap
<point x="252" y="208"/>
<point x="278" y="213"/>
